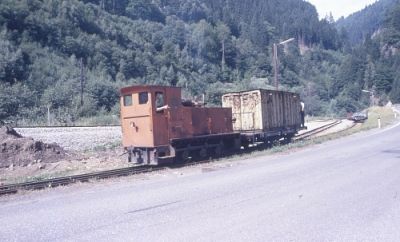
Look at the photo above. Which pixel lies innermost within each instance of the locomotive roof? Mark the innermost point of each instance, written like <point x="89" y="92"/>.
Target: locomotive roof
<point x="144" y="87"/>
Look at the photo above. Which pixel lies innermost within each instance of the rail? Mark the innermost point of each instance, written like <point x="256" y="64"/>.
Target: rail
<point x="61" y="181"/>
<point x="310" y="133"/>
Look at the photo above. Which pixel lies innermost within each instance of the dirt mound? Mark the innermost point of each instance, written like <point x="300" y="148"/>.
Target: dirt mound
<point x="16" y="150"/>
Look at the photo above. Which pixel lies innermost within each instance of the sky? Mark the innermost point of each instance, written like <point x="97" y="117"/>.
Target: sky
<point x="339" y="7"/>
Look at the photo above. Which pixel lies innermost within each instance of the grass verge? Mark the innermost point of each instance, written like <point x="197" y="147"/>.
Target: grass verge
<point x="386" y="115"/>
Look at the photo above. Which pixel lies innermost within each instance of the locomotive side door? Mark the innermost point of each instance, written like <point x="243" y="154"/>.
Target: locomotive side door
<point x="160" y="118"/>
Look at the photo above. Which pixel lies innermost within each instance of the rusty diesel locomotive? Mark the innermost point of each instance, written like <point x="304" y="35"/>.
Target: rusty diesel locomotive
<point x="159" y="128"/>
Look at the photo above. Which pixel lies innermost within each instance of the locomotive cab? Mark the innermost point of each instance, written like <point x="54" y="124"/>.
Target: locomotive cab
<point x="144" y="120"/>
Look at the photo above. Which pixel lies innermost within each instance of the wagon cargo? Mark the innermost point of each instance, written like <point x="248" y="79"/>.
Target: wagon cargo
<point x="265" y="115"/>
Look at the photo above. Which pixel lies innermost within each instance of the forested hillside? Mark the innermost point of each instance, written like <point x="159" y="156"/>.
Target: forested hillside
<point x="375" y="36"/>
<point x="71" y="57"/>
<point x="362" y="24"/>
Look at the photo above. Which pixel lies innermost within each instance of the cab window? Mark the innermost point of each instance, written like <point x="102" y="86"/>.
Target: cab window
<point x="160" y="99"/>
<point x="143" y="97"/>
<point x="127" y="99"/>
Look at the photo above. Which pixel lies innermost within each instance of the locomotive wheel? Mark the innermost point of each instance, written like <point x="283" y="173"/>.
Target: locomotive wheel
<point x="219" y="150"/>
<point x="288" y="138"/>
<point x="203" y="152"/>
<point x="185" y="155"/>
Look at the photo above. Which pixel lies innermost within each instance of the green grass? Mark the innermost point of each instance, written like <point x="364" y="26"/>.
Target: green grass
<point x="100" y="120"/>
<point x="386" y="115"/>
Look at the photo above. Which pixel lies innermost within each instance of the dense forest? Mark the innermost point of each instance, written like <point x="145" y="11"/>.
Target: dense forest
<point x="366" y="22"/>
<point x="373" y="37"/>
<point x="69" y="58"/>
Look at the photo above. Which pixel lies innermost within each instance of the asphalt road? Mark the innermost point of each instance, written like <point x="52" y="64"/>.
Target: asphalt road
<point x="342" y="190"/>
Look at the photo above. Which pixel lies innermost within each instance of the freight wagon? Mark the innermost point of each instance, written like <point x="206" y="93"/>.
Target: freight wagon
<point x="265" y="115"/>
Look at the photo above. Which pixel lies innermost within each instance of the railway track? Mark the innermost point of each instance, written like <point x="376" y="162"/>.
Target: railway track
<point x="313" y="132"/>
<point x="62" y="181"/>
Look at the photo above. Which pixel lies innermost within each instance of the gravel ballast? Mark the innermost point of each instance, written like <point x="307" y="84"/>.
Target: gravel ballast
<point x="77" y="138"/>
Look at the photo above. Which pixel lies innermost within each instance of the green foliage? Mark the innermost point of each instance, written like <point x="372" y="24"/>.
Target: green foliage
<point x="383" y="79"/>
<point x="15" y="100"/>
<point x="393" y="18"/>
<point x="395" y="92"/>
<point x="13" y="62"/>
<point x="71" y="57"/>
<point x="143" y="9"/>
<point x="392" y="24"/>
<point x="362" y="24"/>
<point x="104" y="94"/>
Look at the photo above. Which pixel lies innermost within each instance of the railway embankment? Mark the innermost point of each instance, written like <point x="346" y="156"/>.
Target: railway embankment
<point x="93" y="149"/>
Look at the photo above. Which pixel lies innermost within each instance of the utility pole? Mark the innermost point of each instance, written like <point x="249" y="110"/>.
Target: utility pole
<point x="223" y="56"/>
<point x="276" y="61"/>
<point x="276" y="66"/>
<point x="371" y="97"/>
<point x="82" y="80"/>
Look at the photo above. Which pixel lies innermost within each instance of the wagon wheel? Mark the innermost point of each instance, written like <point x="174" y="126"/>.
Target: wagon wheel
<point x="286" y="139"/>
<point x="289" y="138"/>
<point x="268" y="144"/>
